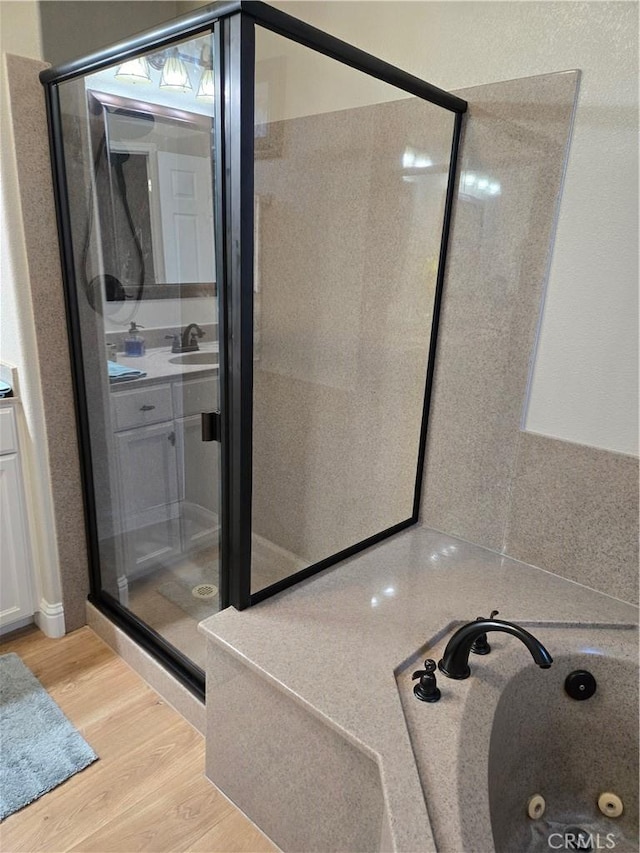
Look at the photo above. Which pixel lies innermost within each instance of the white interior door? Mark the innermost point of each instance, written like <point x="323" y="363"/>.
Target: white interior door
<point x="186" y="212"/>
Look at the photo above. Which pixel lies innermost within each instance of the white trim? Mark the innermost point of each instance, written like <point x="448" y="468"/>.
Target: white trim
<point x="122" y="583"/>
<point x="50" y="619"/>
<point x="43" y="555"/>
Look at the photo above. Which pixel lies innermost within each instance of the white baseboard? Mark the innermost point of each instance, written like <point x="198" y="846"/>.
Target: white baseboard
<point x="123" y="590"/>
<point x="50" y="619"/>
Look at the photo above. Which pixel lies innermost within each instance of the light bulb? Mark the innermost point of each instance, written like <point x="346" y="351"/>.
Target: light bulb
<point x="175" y="75"/>
<point x="134" y="71"/>
<point x="408" y="159"/>
<point x="206" y="89"/>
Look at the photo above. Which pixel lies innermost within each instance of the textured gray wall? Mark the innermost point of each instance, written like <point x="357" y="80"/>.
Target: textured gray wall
<point x="73" y="28"/>
<point x="45" y="282"/>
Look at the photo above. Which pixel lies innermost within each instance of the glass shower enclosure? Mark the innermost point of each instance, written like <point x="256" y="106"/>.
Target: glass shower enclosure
<point x="253" y="220"/>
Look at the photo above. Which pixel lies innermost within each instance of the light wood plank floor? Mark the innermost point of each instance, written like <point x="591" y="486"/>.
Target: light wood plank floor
<point x="148" y="790"/>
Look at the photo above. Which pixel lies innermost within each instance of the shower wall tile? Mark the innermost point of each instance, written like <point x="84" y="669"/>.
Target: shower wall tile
<point x="574" y="511"/>
<point x="516" y="136"/>
<point x="570" y="509"/>
<point x="38" y="213"/>
<point x="348" y="248"/>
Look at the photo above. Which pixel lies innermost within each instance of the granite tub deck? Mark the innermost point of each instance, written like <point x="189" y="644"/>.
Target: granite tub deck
<point x="306" y="730"/>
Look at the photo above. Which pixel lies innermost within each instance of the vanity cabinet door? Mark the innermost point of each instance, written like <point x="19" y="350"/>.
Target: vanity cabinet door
<point x="147" y="461"/>
<point x="198" y="484"/>
<point x="15" y="585"/>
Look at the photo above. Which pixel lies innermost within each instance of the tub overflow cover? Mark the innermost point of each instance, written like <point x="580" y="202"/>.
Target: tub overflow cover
<point x="580" y="685"/>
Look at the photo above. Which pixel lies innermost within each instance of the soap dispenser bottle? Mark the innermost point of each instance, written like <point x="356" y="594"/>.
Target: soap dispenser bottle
<point x="134" y="343"/>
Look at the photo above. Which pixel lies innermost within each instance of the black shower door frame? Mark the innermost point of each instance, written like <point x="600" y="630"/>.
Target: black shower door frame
<point x="232" y="25"/>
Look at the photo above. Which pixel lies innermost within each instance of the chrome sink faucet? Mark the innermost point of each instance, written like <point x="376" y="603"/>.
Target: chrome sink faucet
<point x="455" y="658"/>
<point x="187" y="340"/>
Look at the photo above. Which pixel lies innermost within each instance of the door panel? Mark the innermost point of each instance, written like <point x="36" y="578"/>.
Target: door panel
<point x="139" y="161"/>
<point x="186" y="212"/>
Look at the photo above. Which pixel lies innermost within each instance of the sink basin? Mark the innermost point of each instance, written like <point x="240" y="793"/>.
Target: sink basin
<point x="195" y="358"/>
<point x="510" y="731"/>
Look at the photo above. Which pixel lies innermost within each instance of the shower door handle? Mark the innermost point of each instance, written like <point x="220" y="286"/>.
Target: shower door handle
<point x="211" y="426"/>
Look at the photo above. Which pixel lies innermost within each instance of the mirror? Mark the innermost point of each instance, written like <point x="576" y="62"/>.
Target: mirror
<point x="154" y="199"/>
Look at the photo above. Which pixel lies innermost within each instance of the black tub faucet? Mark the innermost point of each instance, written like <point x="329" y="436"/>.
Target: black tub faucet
<point x="455" y="659"/>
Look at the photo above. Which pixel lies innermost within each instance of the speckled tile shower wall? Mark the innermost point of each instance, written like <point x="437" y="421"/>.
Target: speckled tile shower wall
<point x="485" y="480"/>
<point x="348" y="246"/>
<point x="43" y="257"/>
<point x="574" y="511"/>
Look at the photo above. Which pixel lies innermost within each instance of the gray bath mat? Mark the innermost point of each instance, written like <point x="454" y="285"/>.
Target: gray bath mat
<point x="39" y="748"/>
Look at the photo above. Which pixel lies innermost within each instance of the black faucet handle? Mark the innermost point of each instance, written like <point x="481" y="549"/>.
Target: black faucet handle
<point x="429" y="667"/>
<point x="175" y="341"/>
<point x="426" y="690"/>
<point x="492" y="615"/>
<point x="480" y="645"/>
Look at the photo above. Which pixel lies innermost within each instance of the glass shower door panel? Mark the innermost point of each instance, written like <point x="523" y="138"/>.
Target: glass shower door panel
<point x="350" y="187"/>
<point x="139" y="164"/>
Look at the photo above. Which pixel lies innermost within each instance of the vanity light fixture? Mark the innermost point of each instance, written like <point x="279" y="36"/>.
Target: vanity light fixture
<point x="412" y="159"/>
<point x="479" y="186"/>
<point x="205" y="89"/>
<point x="134" y="71"/>
<point x="415" y="164"/>
<point x="174" y="74"/>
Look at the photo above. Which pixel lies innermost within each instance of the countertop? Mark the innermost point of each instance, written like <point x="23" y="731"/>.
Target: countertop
<point x="335" y="641"/>
<point x="156" y="363"/>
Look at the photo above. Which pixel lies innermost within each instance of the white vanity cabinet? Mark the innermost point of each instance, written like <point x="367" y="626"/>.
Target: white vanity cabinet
<point x="198" y="462"/>
<point x="16" y="598"/>
<point x="168" y="477"/>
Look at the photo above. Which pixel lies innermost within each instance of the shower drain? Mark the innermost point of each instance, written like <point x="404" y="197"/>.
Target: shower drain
<point x="204" y="590"/>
